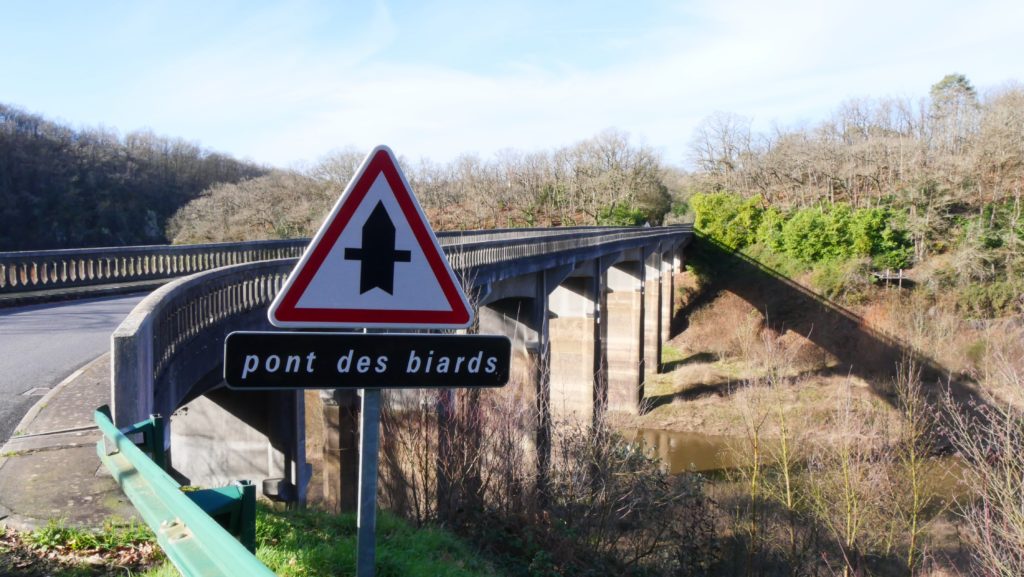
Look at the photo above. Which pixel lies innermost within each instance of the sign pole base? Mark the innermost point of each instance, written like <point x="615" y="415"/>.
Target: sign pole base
<point x="366" y="517"/>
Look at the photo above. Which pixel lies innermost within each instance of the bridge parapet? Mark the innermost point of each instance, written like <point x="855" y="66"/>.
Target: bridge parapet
<point x="27" y="271"/>
<point x="173" y="330"/>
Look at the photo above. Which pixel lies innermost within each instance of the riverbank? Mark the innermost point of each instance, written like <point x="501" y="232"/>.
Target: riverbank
<point x="712" y="376"/>
<point x="812" y="442"/>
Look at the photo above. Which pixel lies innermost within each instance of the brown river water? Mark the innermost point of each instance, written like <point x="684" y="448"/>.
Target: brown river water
<point x="696" y="452"/>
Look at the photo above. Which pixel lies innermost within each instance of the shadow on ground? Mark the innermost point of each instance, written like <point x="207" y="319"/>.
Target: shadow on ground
<point x="726" y="386"/>
<point x="693" y="359"/>
<point x="860" y="349"/>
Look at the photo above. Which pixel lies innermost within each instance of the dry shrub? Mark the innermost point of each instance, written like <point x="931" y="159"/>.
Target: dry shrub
<point x="408" y="474"/>
<point x="999" y="361"/>
<point x="848" y="494"/>
<point x="848" y="477"/>
<point x="439" y="464"/>
<point x="769" y="508"/>
<point x="741" y="323"/>
<point x="469" y="460"/>
<point x="689" y="286"/>
<point x="991" y="441"/>
<point x="278" y="205"/>
<point x="609" y="493"/>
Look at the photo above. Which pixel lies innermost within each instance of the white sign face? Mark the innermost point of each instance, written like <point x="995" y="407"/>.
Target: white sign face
<point x="374" y="262"/>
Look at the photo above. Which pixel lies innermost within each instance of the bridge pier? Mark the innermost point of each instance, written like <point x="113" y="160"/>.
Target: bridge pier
<point x="624" y="347"/>
<point x="576" y="339"/>
<point x="225" y="436"/>
<point x="652" y="320"/>
<point x="339" y="419"/>
<point x="518" y="310"/>
<point x="668" y="295"/>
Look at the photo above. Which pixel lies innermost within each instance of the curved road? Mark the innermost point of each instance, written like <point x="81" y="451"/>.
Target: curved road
<point x="40" y="345"/>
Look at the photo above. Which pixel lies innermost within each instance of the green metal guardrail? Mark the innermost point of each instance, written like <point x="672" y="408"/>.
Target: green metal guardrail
<point x="196" y="529"/>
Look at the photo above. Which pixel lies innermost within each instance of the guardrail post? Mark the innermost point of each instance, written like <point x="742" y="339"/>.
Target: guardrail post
<point x="366" y="515"/>
<point x="247" y="516"/>
<point x="233" y="507"/>
<point x="153" y="437"/>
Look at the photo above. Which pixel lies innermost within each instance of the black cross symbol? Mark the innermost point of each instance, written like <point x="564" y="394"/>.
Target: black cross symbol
<point x="378" y="256"/>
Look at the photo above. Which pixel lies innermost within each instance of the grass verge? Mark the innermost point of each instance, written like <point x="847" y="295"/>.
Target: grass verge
<point x="291" y="543"/>
<point x="57" y="550"/>
<point x="313" y="543"/>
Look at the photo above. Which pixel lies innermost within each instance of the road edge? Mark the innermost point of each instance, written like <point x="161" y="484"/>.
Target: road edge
<point x="39" y="405"/>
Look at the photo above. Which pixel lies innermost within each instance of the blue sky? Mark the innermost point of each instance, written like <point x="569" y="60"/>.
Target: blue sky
<point x="285" y="83"/>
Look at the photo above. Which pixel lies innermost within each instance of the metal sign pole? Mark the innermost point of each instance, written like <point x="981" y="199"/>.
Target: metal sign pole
<point x="369" y="443"/>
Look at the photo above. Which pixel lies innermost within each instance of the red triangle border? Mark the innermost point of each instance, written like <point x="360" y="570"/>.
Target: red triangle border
<point x="287" y="312"/>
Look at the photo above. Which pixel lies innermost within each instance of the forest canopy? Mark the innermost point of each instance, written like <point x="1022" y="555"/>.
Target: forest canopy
<point x="67" y="188"/>
<point x="890" y="182"/>
<point x="606" y="179"/>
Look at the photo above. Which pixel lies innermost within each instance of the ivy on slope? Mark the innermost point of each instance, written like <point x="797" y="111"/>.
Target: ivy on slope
<point x="825" y="234"/>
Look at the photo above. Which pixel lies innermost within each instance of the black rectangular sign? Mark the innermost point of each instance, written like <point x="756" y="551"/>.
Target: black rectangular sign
<point x="291" y="360"/>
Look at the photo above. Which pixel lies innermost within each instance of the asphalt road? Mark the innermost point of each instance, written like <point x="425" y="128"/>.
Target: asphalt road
<point x="40" y="345"/>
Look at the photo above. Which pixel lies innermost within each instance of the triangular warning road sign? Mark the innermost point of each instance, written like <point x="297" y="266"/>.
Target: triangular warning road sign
<point x="374" y="262"/>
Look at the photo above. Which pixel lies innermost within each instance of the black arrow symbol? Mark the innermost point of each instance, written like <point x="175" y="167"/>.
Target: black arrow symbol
<point x="378" y="256"/>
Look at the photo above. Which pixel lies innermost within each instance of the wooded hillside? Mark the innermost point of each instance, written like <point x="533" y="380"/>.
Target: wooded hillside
<point x="67" y="188"/>
<point x="886" y="183"/>
<point x="602" y="180"/>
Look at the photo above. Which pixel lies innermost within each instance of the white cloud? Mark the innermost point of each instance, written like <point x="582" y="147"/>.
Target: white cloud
<point x="268" y="92"/>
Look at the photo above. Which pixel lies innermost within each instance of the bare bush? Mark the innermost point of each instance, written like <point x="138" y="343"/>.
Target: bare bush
<point x="601" y="180"/>
<point x="278" y="205"/>
<point x="991" y="441"/>
<point x="855" y="494"/>
<point x="469" y="460"/>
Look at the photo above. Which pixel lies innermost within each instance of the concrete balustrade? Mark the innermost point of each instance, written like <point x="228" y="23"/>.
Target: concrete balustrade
<point x="586" y="310"/>
<point x="28" y="271"/>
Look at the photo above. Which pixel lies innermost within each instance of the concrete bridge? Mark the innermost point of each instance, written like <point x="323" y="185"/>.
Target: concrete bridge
<point x="587" y="309"/>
